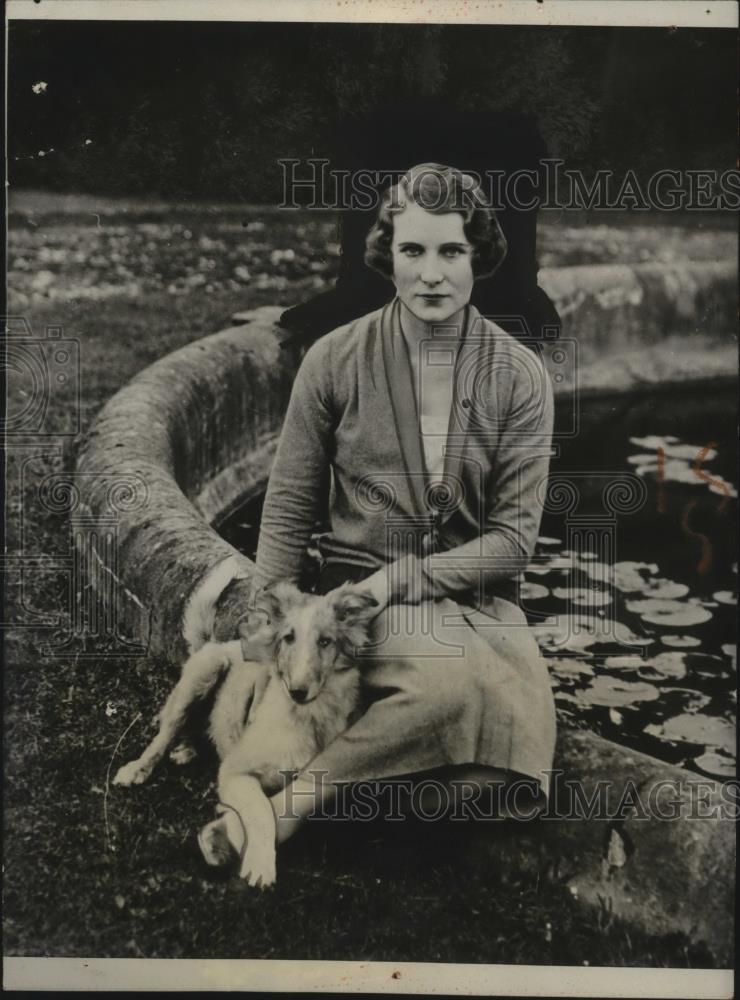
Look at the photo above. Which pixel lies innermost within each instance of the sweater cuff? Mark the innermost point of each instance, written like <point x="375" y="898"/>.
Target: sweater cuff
<point x="406" y="580"/>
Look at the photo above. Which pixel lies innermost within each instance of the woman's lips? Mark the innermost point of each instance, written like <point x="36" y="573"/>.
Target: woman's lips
<point x="431" y="296"/>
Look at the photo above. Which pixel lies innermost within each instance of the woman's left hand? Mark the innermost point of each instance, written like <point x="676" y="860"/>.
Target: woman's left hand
<point x="377" y="585"/>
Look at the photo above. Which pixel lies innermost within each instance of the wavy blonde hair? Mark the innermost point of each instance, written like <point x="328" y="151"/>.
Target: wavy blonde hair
<point x="438" y="189"/>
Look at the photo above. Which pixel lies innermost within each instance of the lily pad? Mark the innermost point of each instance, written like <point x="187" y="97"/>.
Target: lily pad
<point x="569" y="668"/>
<point x="672" y="471"/>
<point x="677" y="470"/>
<point x="722" y="487"/>
<point x="646" y="470"/>
<point x="611" y="691"/>
<point x="704" y="730"/>
<point x="682" y="701"/>
<point x="533" y="592"/>
<point x="590" y="598"/>
<point x="655" y="440"/>
<point x="665" y="589"/>
<point x="630" y="577"/>
<point x="577" y="632"/>
<point x="729" y="650"/>
<point x="599" y="571"/>
<point x="654" y="586"/>
<point x="718" y="765"/>
<point x="680" y="641"/>
<point x="673" y="449"/>
<point x="583" y="596"/>
<point x="562" y="636"/>
<point x="662" y="612"/>
<point x="706" y="665"/>
<point x="663" y="666"/>
<point x="725" y="597"/>
<point x="624" y="662"/>
<point x="566" y="696"/>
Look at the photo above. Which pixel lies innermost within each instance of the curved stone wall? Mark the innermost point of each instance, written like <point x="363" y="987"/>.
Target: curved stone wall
<point x="191" y="436"/>
<point x="646" y="326"/>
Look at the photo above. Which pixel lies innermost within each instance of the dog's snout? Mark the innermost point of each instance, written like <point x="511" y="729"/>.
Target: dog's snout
<point x="299" y="694"/>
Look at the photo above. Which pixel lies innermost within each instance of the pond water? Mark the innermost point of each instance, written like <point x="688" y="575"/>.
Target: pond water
<point x="635" y="609"/>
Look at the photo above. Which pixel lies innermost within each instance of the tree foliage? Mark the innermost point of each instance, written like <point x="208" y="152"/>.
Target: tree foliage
<point x="205" y="110"/>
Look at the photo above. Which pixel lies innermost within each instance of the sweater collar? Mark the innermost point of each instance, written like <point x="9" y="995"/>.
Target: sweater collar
<point x="428" y="499"/>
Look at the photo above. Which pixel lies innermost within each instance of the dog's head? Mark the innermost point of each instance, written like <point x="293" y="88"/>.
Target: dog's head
<point x="310" y="638"/>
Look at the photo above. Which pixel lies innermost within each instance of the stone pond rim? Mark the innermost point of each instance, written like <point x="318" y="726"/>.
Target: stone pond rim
<point x="187" y="440"/>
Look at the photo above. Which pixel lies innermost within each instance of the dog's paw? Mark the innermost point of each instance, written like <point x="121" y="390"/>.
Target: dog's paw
<point x="258" y="866"/>
<point x="133" y="773"/>
<point x="215" y="845"/>
<point x="183" y="753"/>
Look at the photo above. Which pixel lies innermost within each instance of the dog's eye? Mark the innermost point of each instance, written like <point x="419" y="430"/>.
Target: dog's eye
<point x="289" y="637"/>
<point x="324" y="641"/>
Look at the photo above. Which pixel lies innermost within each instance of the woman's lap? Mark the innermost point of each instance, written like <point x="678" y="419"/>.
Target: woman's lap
<point x="446" y="693"/>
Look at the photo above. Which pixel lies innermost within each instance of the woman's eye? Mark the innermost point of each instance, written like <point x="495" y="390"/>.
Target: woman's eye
<point x="289" y="637"/>
<point x="452" y="252"/>
<point x="411" y="251"/>
<point x="324" y="641"/>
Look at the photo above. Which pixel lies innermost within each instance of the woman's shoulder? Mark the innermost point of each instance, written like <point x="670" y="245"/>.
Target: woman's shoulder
<point x="518" y="357"/>
<point x="329" y="366"/>
<point x="485" y="326"/>
<point x="340" y="344"/>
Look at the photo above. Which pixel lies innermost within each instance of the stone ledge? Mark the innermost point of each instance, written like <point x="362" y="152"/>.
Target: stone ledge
<point x="646" y="325"/>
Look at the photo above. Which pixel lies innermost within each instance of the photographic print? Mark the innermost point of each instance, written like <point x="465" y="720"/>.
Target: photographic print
<point x="370" y="562"/>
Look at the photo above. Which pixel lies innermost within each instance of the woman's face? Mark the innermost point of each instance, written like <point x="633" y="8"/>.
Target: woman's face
<point x="432" y="263"/>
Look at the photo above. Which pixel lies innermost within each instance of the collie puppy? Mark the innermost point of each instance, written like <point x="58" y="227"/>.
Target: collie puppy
<point x="290" y="686"/>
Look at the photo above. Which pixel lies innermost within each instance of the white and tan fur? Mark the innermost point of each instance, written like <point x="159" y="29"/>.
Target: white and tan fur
<point x="290" y="686"/>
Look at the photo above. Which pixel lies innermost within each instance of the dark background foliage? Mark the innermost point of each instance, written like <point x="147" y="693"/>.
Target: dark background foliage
<point x="201" y="110"/>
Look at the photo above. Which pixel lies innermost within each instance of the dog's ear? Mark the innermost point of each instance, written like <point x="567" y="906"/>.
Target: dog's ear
<point x="284" y="596"/>
<point x="275" y="600"/>
<point x="353" y="610"/>
<point x="353" y="606"/>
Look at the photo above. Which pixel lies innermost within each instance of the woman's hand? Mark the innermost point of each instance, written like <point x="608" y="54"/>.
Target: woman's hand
<point x="377" y="586"/>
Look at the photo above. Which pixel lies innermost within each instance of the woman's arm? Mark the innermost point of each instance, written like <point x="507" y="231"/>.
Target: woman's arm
<point x="298" y="486"/>
<point x="512" y="519"/>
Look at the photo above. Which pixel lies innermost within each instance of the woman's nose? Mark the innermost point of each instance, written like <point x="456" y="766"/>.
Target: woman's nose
<point x="430" y="273"/>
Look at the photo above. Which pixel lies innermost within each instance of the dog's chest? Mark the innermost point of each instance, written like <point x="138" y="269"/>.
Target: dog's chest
<point x="280" y="737"/>
<point x="276" y="740"/>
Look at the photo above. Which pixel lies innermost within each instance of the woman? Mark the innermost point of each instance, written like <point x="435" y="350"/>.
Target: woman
<point x="427" y="429"/>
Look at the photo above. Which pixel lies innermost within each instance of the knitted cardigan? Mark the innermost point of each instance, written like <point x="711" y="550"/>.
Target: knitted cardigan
<point x="350" y="446"/>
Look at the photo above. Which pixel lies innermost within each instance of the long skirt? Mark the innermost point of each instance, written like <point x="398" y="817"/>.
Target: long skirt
<point x="446" y="685"/>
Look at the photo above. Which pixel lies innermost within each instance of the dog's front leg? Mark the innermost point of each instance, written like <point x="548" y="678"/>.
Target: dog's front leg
<point x="199" y="674"/>
<point x="244" y="794"/>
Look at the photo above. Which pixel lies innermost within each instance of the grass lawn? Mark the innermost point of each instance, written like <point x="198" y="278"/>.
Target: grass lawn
<point x="93" y="870"/>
